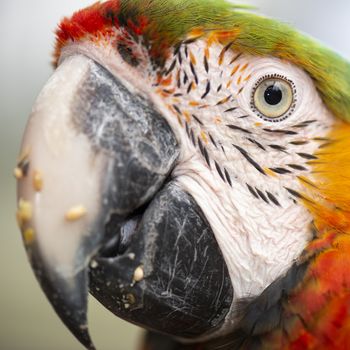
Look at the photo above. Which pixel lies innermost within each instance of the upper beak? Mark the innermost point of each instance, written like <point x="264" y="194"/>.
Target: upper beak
<point x="91" y="149"/>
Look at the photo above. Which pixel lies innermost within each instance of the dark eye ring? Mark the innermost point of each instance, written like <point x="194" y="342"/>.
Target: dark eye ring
<point x="273" y="98"/>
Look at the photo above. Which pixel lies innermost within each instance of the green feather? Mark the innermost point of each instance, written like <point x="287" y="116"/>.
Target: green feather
<point x="170" y="21"/>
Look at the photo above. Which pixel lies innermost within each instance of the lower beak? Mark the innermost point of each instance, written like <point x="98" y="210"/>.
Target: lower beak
<point x="93" y="152"/>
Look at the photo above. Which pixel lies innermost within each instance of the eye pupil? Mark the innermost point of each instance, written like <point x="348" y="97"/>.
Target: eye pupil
<point x="273" y="95"/>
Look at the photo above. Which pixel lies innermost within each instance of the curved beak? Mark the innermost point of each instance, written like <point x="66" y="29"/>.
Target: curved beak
<point x="92" y="150"/>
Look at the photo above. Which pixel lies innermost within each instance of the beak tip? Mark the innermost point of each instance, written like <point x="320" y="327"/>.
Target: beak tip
<point x="80" y="331"/>
<point x="84" y="337"/>
<point x="68" y="297"/>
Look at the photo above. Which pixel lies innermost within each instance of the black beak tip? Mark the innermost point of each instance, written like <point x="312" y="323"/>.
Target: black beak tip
<point x="76" y="321"/>
<point x="82" y="334"/>
<point x="68" y="297"/>
<point x="74" y="316"/>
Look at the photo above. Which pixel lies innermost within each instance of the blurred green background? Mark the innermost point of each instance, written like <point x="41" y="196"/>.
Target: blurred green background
<point x="27" y="321"/>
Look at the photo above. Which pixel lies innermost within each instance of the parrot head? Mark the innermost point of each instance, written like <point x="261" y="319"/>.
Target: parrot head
<point x="181" y="164"/>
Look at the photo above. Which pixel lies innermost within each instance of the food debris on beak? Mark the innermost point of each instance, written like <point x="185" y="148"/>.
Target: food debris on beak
<point x="38" y="181"/>
<point x="75" y="213"/>
<point x="24" y="212"/>
<point x="139" y="274"/>
<point x="28" y="236"/>
<point x="18" y="173"/>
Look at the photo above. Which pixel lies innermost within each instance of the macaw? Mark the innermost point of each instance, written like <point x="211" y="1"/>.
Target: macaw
<point x="188" y="164"/>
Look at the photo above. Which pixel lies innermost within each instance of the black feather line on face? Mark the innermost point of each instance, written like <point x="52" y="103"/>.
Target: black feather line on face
<point x="190" y="41"/>
<point x="277" y="131"/>
<point x="186" y="51"/>
<point x="235" y="127"/>
<point x="193" y="139"/>
<point x="212" y="140"/>
<point x="252" y="191"/>
<point x="178" y="78"/>
<point x="228" y="178"/>
<point x="273" y="199"/>
<point x="204" y="152"/>
<point x="299" y="143"/>
<point x="179" y="57"/>
<point x="234" y="59"/>
<point x="177" y="109"/>
<point x="207" y="90"/>
<point x="297" y="167"/>
<point x="262" y="195"/>
<point x="225" y="49"/>
<point x="297" y="195"/>
<point x="218" y="169"/>
<point x="189" y="87"/>
<point x="197" y="119"/>
<point x="280" y="171"/>
<point x="278" y="148"/>
<point x="249" y="159"/>
<point x="185" y="78"/>
<point x="187" y="129"/>
<point x="194" y="73"/>
<point x="304" y="124"/>
<point x="223" y="149"/>
<point x="177" y="48"/>
<point x="206" y="65"/>
<point x="259" y="145"/>
<point x="307" y="156"/>
<point x="230" y="109"/>
<point x="171" y="68"/>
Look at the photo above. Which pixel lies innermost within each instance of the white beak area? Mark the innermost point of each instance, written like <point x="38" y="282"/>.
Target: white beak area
<point x="59" y="175"/>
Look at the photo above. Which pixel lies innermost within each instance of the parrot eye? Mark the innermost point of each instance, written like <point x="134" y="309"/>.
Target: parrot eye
<point x="273" y="98"/>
